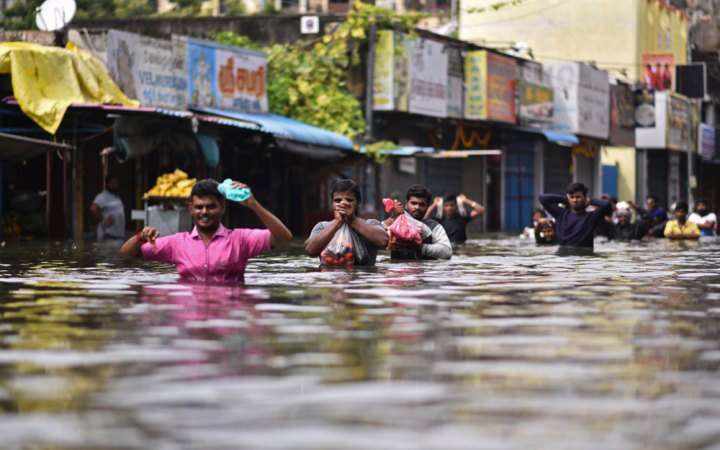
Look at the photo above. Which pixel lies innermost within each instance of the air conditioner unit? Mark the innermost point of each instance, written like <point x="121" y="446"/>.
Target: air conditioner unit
<point x="309" y="25"/>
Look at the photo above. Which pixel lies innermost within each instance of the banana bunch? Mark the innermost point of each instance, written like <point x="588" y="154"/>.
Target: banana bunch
<point x="173" y="184"/>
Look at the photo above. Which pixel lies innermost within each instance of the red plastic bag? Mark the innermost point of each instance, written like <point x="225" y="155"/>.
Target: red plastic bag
<point x="339" y="252"/>
<point x="409" y="229"/>
<point x="388" y="204"/>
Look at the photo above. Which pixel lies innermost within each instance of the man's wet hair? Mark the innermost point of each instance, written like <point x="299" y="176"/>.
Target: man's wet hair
<point x="681" y="206"/>
<point x="206" y="188"/>
<point x="540" y="211"/>
<point x="451" y="197"/>
<point x="577" y="187"/>
<point x="420" y="191"/>
<point x="652" y="196"/>
<point x="346" y="185"/>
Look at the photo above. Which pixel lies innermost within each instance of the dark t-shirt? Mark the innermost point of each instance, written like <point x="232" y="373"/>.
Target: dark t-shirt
<point x="574" y="229"/>
<point x="455" y="228"/>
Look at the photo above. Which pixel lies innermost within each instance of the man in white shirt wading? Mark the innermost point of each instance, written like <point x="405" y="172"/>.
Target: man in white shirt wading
<point x="109" y="211"/>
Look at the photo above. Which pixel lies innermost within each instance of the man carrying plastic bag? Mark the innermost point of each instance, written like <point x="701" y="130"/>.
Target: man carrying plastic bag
<point x="347" y="240"/>
<point x="433" y="242"/>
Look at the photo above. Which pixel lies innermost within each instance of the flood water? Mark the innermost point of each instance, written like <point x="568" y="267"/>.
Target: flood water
<point x="506" y="346"/>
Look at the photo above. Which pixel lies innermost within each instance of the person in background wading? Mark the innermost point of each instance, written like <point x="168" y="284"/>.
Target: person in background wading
<point x="435" y="246"/>
<point x="346" y="199"/>
<point x="452" y="213"/>
<point x="108" y="210"/>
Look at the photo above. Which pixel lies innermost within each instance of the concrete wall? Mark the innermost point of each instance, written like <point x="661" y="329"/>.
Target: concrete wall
<point x="625" y="159"/>
<point x="612" y="33"/>
<point x="263" y="29"/>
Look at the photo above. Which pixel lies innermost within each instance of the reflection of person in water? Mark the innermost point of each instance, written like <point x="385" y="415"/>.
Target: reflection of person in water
<point x="202" y="87"/>
<point x="124" y="75"/>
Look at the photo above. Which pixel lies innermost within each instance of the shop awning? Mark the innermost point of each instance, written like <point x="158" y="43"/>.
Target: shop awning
<point x="286" y="129"/>
<point x="18" y="148"/>
<point x="565" y="139"/>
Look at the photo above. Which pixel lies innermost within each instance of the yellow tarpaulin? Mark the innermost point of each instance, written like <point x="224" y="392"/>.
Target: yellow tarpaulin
<point x="47" y="80"/>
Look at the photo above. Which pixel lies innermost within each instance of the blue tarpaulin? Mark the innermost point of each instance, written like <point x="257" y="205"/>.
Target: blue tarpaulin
<point x="565" y="139"/>
<point x="286" y="128"/>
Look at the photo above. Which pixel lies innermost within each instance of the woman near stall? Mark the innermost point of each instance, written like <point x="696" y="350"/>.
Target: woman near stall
<point x="211" y="253"/>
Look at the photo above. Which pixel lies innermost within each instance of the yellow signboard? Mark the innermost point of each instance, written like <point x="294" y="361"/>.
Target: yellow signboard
<point x="476" y="85"/>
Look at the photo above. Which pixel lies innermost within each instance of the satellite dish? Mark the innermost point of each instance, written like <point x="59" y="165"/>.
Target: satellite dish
<point x="54" y="15"/>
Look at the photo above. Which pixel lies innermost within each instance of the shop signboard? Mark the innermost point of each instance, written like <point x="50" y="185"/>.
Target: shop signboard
<point x="501" y="82"/>
<point x="622" y="115"/>
<point x="678" y="127"/>
<point x="706" y="135"/>
<point x="581" y="99"/>
<point x="532" y="72"/>
<point x="147" y="69"/>
<point x="455" y="83"/>
<point x="225" y="77"/>
<point x="391" y="77"/>
<point x="429" y="80"/>
<point x="536" y="103"/>
<point x="383" y="72"/>
<point x="476" y="85"/>
<point x="490" y="82"/>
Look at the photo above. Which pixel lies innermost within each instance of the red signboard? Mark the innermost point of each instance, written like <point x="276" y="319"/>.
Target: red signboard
<point x="502" y="75"/>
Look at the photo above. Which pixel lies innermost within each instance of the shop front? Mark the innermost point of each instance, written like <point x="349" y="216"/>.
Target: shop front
<point x="663" y="139"/>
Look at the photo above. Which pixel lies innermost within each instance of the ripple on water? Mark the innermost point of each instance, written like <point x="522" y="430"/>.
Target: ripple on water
<point x="506" y="346"/>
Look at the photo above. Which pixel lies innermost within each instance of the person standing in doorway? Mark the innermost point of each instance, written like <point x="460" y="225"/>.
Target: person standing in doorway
<point x="109" y="211"/>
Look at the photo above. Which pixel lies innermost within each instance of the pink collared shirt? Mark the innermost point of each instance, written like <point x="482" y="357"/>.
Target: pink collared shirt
<point x="223" y="260"/>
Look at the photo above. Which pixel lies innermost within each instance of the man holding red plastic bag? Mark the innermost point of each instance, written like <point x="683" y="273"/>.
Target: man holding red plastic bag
<point x="411" y="235"/>
<point x="347" y="240"/>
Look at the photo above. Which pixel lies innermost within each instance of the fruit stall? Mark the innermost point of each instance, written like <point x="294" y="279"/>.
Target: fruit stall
<point x="166" y="204"/>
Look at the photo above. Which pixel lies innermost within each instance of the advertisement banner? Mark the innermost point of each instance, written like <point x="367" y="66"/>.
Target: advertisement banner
<point x="658" y="71"/>
<point x="502" y="75"/>
<point x="564" y="78"/>
<point x="147" y="69"/>
<point x="706" y="135"/>
<point x="581" y="99"/>
<point x="476" y="85"/>
<point x="429" y="80"/>
<point x="226" y="77"/>
<point x="678" y="127"/>
<point x="593" y="102"/>
<point x="383" y="75"/>
<point x="536" y="103"/>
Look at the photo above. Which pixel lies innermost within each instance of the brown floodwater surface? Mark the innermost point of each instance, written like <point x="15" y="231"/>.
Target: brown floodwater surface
<point x="506" y="346"/>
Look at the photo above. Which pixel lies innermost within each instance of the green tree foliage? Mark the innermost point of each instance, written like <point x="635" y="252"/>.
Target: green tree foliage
<point x="132" y="8"/>
<point x="233" y="7"/>
<point x="309" y="81"/>
<point x="21" y="15"/>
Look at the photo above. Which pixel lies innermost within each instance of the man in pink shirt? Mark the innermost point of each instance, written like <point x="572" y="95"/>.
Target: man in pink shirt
<point x="210" y="253"/>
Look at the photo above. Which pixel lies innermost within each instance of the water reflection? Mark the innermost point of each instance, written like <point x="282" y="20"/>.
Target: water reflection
<point x="505" y="346"/>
